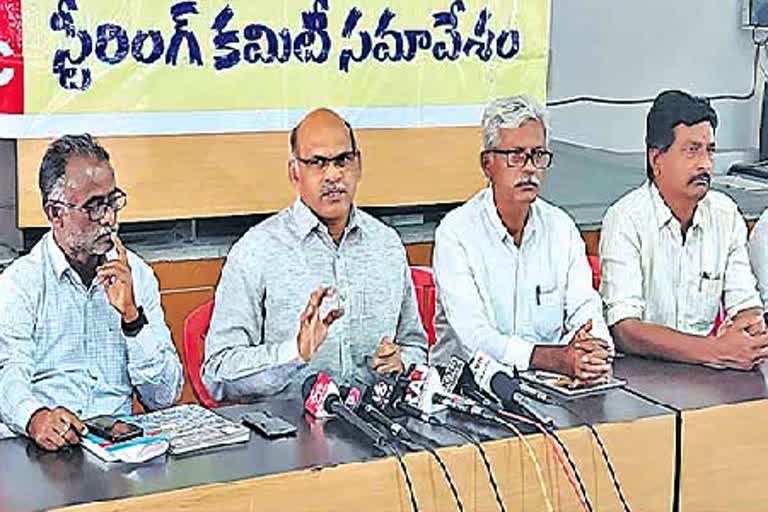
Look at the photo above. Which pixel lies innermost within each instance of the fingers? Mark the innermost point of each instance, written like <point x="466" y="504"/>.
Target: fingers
<point x="389" y="367"/>
<point x="113" y="272"/>
<point x="387" y="348"/>
<point x="589" y="345"/>
<point x="388" y="356"/>
<point x="332" y="316"/>
<point x="317" y="296"/>
<point x="122" y="253"/>
<point x="312" y="311"/>
<point x="73" y="420"/>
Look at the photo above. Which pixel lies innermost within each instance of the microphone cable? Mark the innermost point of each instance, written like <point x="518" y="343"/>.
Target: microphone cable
<point x="409" y="440"/>
<point x="604" y="453"/>
<point x="443" y="467"/>
<point x="581" y="491"/>
<point x="483" y="455"/>
<point x="534" y="459"/>
<point x="408" y="482"/>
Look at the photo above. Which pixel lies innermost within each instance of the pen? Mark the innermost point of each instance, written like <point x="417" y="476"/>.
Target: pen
<point x="538" y="295"/>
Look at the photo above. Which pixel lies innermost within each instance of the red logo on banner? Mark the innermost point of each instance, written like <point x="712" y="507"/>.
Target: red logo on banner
<point x="11" y="58"/>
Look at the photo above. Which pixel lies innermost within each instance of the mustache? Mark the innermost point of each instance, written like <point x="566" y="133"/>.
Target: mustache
<point x="108" y="230"/>
<point x="701" y="176"/>
<point x="332" y="189"/>
<point x="531" y="180"/>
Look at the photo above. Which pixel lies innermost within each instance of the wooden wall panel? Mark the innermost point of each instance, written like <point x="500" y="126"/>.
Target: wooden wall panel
<point x="176" y="177"/>
<point x="184" y="285"/>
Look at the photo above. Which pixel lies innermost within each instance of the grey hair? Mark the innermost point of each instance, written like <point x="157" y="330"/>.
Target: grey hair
<point x="512" y="112"/>
<point x="53" y="167"/>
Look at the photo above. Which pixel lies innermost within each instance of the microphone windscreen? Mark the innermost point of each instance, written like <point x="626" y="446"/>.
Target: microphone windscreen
<point x="504" y="386"/>
<point x="306" y="387"/>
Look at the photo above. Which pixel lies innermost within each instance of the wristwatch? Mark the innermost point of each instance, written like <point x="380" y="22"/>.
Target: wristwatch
<point x="131" y="329"/>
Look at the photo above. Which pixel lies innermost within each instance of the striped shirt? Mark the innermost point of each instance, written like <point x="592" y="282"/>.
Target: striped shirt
<point x="61" y="343"/>
<point x="650" y="273"/>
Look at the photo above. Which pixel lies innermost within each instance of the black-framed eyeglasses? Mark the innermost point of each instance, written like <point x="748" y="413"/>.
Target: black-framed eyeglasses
<point x="517" y="158"/>
<point x="342" y="161"/>
<point x="96" y="207"/>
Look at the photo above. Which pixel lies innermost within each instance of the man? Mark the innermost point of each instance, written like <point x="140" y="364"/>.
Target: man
<point x="673" y="252"/>
<point x="320" y="285"/>
<point x="511" y="269"/>
<point x="80" y="319"/>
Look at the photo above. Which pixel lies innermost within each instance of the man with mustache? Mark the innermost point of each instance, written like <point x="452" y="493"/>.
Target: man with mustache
<point x="511" y="269"/>
<point x="321" y="285"/>
<point x="674" y="253"/>
<point x="81" y="326"/>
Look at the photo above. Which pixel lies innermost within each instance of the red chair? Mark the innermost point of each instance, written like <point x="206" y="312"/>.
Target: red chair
<point x="195" y="329"/>
<point x="424" y="284"/>
<point x="594" y="264"/>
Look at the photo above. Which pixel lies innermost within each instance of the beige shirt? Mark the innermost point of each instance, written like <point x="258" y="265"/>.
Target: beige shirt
<point x="758" y="255"/>
<point x="649" y="272"/>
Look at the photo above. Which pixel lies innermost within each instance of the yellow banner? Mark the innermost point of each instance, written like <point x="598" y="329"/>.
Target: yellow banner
<point x="151" y="56"/>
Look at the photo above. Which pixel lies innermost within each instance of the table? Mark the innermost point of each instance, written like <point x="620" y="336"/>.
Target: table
<point x="327" y="467"/>
<point x="721" y="414"/>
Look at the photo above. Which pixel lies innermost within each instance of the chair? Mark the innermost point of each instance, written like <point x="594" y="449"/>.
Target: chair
<point x="594" y="264"/>
<point x="424" y="284"/>
<point x="195" y="329"/>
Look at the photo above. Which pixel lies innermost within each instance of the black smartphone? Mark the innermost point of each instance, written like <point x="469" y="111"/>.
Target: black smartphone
<point x="110" y="428"/>
<point x="268" y="425"/>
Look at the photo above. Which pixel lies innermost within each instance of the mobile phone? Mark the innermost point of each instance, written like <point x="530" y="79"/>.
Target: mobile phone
<point x="268" y="425"/>
<point x="110" y="428"/>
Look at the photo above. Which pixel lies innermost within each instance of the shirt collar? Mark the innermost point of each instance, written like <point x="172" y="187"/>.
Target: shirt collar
<point x="306" y="220"/>
<point x="664" y="213"/>
<point x="489" y="206"/>
<point x="59" y="260"/>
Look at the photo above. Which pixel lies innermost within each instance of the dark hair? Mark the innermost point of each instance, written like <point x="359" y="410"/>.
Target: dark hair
<point x="295" y="130"/>
<point x="53" y="166"/>
<point x="669" y="109"/>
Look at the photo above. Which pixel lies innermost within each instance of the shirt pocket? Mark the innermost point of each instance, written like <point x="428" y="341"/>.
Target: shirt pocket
<point x="547" y="319"/>
<point x="708" y="293"/>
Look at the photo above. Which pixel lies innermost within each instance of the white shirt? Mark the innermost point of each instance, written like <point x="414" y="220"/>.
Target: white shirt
<point x="649" y="272"/>
<point x="758" y="255"/>
<point x="503" y="300"/>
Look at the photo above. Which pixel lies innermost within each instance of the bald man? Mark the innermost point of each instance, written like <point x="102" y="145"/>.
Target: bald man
<point x="320" y="285"/>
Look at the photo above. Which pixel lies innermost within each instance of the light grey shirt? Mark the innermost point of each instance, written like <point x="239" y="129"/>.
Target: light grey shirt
<point x="251" y="348"/>
<point x="502" y="299"/>
<point x="650" y="273"/>
<point x="62" y="344"/>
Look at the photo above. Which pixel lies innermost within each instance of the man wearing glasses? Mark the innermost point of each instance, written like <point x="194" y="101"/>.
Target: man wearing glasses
<point x="320" y="285"/>
<point x="511" y="269"/>
<point x="81" y="325"/>
<point x="673" y="252"/>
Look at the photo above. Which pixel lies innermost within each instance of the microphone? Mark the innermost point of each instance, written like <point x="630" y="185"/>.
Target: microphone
<point x="493" y="377"/>
<point x="322" y="400"/>
<point x="371" y="403"/>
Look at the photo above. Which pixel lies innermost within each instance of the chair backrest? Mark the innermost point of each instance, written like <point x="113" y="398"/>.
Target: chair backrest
<point x="594" y="264"/>
<point x="195" y="330"/>
<point x="424" y="284"/>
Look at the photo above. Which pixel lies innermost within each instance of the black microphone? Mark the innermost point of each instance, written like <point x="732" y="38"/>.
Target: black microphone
<point x="373" y="403"/>
<point x="322" y="399"/>
<point x="491" y="376"/>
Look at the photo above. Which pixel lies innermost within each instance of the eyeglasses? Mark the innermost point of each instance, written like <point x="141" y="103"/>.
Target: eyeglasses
<point x="96" y="208"/>
<point x="518" y="157"/>
<point x="342" y="161"/>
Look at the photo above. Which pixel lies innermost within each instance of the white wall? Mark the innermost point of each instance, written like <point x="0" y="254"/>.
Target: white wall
<point x="636" y="48"/>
